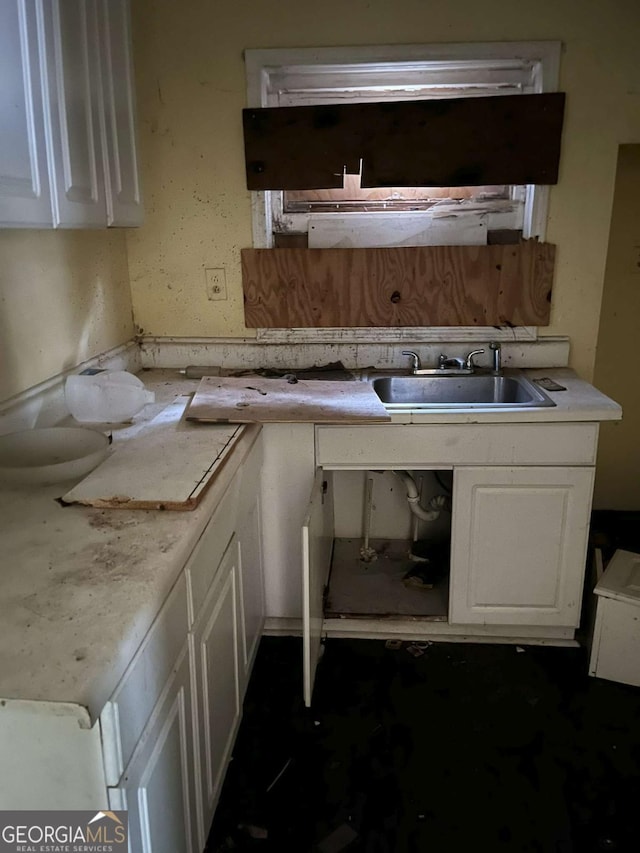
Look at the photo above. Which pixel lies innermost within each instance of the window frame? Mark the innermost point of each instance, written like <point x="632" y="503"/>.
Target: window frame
<point x="262" y="64"/>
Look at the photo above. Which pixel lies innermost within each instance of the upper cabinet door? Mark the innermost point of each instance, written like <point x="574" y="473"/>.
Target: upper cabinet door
<point x="25" y="198"/>
<point x="73" y="110"/>
<point x="67" y="118"/>
<point x="124" y="199"/>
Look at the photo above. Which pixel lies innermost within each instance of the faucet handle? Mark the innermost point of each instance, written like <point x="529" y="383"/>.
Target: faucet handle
<point x="414" y="357"/>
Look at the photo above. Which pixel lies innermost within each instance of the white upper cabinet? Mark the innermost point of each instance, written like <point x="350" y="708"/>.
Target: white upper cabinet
<point x="79" y="114"/>
<point x="73" y="109"/>
<point x="124" y="199"/>
<point x="25" y="197"/>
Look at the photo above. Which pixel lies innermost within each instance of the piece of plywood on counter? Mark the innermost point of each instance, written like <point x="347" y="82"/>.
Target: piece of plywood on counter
<point x="253" y="398"/>
<point x="498" y="285"/>
<point x="169" y="465"/>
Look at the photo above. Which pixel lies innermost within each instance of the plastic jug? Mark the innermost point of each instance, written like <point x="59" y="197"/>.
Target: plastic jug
<point x="108" y="397"/>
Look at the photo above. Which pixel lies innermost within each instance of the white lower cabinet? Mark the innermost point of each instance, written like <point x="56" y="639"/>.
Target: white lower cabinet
<point x="216" y="640"/>
<point x="158" y="788"/>
<point x="174" y="772"/>
<point x="519" y="532"/>
<point x="518" y="545"/>
<point x="251" y="590"/>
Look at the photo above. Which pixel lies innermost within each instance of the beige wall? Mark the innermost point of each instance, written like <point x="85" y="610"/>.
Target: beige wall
<point x="191" y="90"/>
<point x="64" y="297"/>
<point x="616" y="370"/>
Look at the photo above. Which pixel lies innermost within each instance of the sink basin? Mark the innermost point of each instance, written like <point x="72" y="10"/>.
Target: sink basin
<point x="479" y="390"/>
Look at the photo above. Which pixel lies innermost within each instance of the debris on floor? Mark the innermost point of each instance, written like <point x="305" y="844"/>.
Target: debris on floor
<point x="339" y="839"/>
<point x="467" y="747"/>
<point x="415" y="650"/>
<point x="280" y="774"/>
<point x="257" y="832"/>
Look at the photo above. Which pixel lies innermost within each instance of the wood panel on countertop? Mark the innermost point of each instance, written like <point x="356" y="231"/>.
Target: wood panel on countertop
<point x="253" y="398"/>
<point x="400" y="286"/>
<point x="168" y="465"/>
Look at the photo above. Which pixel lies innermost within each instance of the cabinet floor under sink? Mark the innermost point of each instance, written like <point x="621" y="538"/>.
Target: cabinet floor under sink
<point x="359" y="589"/>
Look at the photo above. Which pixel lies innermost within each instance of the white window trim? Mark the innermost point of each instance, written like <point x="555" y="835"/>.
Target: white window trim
<point x="258" y="62"/>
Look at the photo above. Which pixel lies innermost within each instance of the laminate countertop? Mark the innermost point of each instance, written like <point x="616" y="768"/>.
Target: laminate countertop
<point x="81" y="586"/>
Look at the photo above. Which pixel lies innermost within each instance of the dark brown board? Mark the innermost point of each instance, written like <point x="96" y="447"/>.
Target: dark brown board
<point x="402" y="286"/>
<point x="508" y="139"/>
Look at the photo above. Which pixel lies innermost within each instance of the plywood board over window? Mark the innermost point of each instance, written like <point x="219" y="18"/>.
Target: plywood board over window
<point x="399" y="286"/>
<point x="511" y="139"/>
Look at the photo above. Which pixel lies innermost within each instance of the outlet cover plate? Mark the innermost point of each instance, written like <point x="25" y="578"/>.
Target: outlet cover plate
<point x="216" y="283"/>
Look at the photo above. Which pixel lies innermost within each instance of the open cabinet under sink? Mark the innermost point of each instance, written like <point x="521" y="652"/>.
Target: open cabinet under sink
<point x="517" y="523"/>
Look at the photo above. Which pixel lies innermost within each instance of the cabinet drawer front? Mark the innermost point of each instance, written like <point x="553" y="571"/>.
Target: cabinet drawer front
<point x="443" y="445"/>
<point x="205" y="558"/>
<point x="127" y="713"/>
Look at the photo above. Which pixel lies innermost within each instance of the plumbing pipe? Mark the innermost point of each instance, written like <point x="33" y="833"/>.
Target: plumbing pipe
<point x="437" y="503"/>
<point x="415" y="521"/>
<point x="368" y="554"/>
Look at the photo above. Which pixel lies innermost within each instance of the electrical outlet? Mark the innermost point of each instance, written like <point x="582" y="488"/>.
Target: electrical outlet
<point x="216" y="282"/>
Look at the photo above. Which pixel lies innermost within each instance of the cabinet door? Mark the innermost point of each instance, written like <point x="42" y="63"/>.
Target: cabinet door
<point x="73" y="109"/>
<point x="287" y="448"/>
<point x="317" y="549"/>
<point x="123" y="196"/>
<point x="158" y="788"/>
<point x="25" y="198"/>
<point x="251" y="593"/>
<point x="519" y="541"/>
<point x="217" y="678"/>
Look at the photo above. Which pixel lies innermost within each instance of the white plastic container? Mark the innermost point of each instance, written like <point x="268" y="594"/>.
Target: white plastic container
<point x="615" y="645"/>
<point x="109" y="397"/>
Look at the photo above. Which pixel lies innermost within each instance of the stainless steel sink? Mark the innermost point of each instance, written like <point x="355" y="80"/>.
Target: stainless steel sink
<point x="446" y="392"/>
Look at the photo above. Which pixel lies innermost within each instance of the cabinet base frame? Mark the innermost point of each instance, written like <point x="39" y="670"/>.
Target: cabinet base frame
<point x="426" y="630"/>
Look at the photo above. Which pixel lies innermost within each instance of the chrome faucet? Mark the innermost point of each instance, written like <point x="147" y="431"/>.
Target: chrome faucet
<point x="415" y="359"/>
<point x="468" y="363"/>
<point x="445" y="362"/>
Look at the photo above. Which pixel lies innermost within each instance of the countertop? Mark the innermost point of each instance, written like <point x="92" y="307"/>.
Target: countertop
<point x="82" y="586"/>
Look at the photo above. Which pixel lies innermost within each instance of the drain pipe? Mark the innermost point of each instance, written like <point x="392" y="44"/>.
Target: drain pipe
<point x="436" y="504"/>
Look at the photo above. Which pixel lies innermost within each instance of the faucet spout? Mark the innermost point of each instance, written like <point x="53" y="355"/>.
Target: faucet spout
<point x="415" y="359"/>
<point x="469" y="365"/>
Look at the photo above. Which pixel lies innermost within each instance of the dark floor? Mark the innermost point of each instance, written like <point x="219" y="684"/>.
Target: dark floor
<point x="465" y="748"/>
